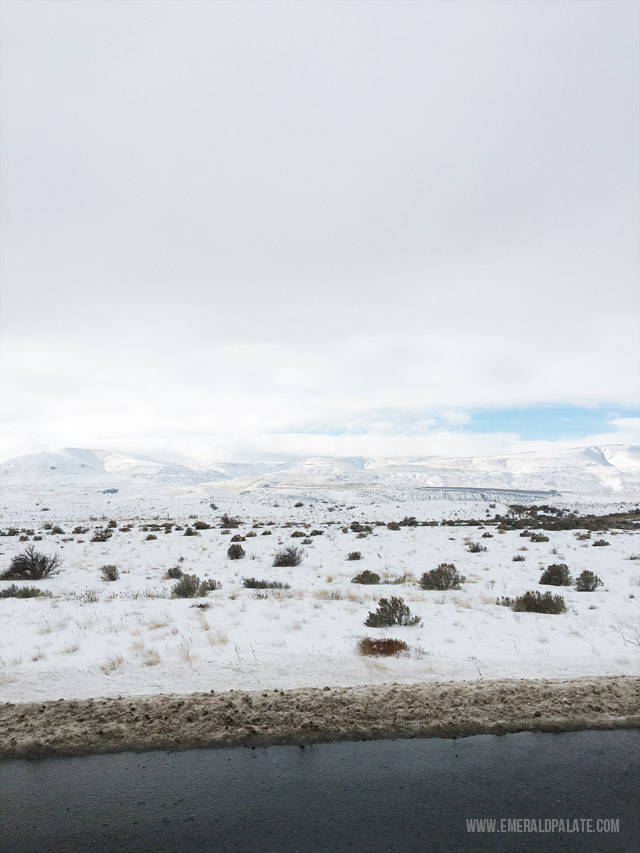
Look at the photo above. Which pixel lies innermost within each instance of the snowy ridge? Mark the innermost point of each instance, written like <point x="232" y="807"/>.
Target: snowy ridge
<point x="610" y="470"/>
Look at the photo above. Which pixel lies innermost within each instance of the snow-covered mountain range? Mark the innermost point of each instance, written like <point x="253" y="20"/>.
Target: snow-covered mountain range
<point x="612" y="470"/>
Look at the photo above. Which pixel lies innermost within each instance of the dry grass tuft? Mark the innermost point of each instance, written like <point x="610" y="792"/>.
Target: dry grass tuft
<point x="112" y="664"/>
<point x="383" y="647"/>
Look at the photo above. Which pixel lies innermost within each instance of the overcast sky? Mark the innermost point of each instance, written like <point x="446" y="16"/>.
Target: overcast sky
<point x="264" y="229"/>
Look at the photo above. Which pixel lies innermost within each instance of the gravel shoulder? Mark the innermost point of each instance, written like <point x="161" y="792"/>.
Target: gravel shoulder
<point x="314" y="715"/>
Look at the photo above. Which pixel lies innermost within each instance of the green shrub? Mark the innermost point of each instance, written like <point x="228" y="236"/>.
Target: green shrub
<point x="366" y="577"/>
<point x="175" y="573"/>
<point x="588" y="582"/>
<point x="391" y="611"/>
<point x="235" y="552"/>
<point x="109" y="573"/>
<point x="31" y="565"/>
<point x="289" y="556"/>
<point x="556" y="575"/>
<point x="15" y="591"/>
<point x="253" y="583"/>
<point x="536" y="602"/>
<point x="190" y="586"/>
<point x="446" y="576"/>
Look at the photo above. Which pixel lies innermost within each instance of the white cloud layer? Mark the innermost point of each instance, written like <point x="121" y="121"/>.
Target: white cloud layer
<point x="241" y="229"/>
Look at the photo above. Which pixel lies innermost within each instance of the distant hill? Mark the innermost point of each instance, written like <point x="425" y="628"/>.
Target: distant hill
<point x="608" y="471"/>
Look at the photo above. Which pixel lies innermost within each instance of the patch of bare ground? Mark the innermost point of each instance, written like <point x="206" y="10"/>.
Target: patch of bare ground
<point x="314" y="715"/>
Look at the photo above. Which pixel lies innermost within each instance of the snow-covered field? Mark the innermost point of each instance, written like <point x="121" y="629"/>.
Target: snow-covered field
<point x="130" y="637"/>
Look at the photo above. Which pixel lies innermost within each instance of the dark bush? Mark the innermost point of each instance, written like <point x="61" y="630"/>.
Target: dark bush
<point x="536" y="602"/>
<point x="366" y="577"/>
<point x="538" y="537"/>
<point x="386" y="647"/>
<point x="112" y="523"/>
<point x="588" y="582"/>
<point x="391" y="611"/>
<point x="408" y="521"/>
<point x="519" y="558"/>
<point x="237" y="538"/>
<point x="253" y="583"/>
<point x="190" y="532"/>
<point x="101" y="534"/>
<point x="78" y="531"/>
<point x="31" y="565"/>
<point x="356" y="527"/>
<point x="175" y="573"/>
<point x="487" y="535"/>
<point x="446" y="576"/>
<point x="190" y="586"/>
<point x="600" y="543"/>
<point x="393" y="525"/>
<point x="556" y="575"/>
<point x="290" y="556"/>
<point x="109" y="573"/>
<point x="150" y="537"/>
<point x="317" y="533"/>
<point x="57" y="530"/>
<point x="476" y="548"/>
<point x="15" y="591"/>
<point x="298" y="534"/>
<point x="235" y="552"/>
<point x="201" y="525"/>
<point x="298" y="504"/>
<point x="266" y="533"/>
<point x="354" y="555"/>
<point x="229" y="521"/>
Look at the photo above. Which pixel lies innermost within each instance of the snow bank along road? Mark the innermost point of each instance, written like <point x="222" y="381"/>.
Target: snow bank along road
<point x="314" y="715"/>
